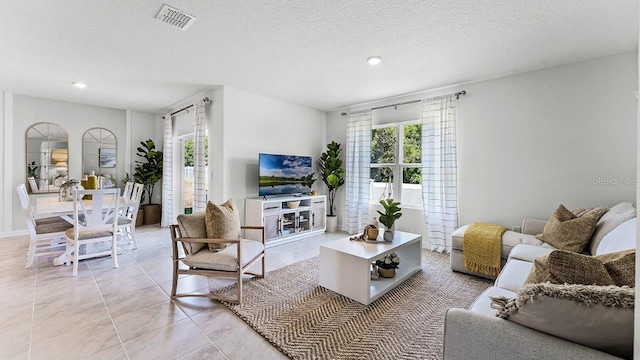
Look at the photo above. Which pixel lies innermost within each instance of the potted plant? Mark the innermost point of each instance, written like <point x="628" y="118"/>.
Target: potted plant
<point x="389" y="217"/>
<point x="148" y="172"/>
<point x="66" y="189"/>
<point x="332" y="175"/>
<point x="32" y="170"/>
<point x="387" y="265"/>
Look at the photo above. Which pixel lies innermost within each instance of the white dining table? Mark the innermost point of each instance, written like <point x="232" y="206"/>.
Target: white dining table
<point x="46" y="205"/>
<point x="51" y="205"/>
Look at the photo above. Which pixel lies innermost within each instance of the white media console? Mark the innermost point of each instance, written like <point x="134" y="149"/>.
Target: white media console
<point x="283" y="223"/>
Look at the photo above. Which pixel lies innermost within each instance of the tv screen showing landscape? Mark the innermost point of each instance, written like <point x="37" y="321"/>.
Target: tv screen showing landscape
<point x="285" y="174"/>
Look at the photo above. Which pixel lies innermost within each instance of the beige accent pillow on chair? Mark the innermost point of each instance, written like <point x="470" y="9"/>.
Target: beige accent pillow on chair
<point x="223" y="222"/>
<point x="565" y="231"/>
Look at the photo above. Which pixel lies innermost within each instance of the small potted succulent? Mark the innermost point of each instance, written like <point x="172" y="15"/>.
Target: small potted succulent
<point x="387" y="265"/>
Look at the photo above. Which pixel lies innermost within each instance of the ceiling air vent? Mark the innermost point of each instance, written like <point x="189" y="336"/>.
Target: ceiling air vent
<point x="175" y="17"/>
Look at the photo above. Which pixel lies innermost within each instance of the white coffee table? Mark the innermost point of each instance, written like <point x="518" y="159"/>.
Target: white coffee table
<point x="345" y="265"/>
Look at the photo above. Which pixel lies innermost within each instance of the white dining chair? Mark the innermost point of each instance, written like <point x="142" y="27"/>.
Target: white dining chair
<point x="94" y="223"/>
<point x="128" y="187"/>
<point x="46" y="235"/>
<point x="129" y="215"/>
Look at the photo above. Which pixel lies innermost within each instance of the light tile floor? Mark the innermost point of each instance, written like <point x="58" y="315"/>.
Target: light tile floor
<point x="125" y="312"/>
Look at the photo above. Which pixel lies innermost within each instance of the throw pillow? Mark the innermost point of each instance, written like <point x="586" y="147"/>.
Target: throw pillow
<point x="623" y="237"/>
<point x="223" y="222"/>
<point x="560" y="267"/>
<point x="597" y="212"/>
<point x="566" y="232"/>
<point x="600" y="317"/>
<point x="617" y="215"/>
<point x="193" y="226"/>
<point x="621" y="266"/>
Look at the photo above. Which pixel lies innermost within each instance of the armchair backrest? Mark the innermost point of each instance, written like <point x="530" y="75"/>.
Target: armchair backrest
<point x="192" y="226"/>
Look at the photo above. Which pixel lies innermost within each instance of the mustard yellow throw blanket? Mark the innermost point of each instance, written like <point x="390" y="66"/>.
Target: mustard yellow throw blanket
<point x="481" y="248"/>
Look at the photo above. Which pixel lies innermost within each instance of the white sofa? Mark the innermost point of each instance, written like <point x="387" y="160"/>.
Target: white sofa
<point x="478" y="334"/>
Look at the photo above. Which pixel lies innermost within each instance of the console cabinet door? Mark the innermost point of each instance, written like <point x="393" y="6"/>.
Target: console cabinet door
<point x="317" y="218"/>
<point x="271" y="226"/>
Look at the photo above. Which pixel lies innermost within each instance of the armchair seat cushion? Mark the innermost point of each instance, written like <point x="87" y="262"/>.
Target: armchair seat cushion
<point x="226" y="259"/>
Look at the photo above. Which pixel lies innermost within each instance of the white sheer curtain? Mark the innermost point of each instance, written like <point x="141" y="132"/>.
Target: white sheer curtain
<point x="167" y="173"/>
<point x="439" y="171"/>
<point x="199" y="165"/>
<point x="357" y="176"/>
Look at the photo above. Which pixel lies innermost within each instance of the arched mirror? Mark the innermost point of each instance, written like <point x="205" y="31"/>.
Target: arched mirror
<point x="47" y="157"/>
<point x="100" y="156"/>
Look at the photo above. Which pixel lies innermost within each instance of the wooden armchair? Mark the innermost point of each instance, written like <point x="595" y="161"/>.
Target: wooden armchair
<point x="231" y="262"/>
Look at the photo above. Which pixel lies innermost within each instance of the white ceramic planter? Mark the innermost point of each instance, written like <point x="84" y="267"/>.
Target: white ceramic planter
<point x="332" y="224"/>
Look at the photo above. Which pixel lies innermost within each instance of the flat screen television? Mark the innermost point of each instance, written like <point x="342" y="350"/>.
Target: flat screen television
<point x="284" y="174"/>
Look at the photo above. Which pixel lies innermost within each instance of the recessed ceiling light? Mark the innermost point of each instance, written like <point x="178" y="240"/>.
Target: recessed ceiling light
<point x="374" y="60"/>
<point x="79" y="85"/>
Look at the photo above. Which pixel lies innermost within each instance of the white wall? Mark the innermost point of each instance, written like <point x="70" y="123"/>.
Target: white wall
<point x="21" y="111"/>
<point x="145" y="126"/>
<point x="529" y="142"/>
<point x="252" y="124"/>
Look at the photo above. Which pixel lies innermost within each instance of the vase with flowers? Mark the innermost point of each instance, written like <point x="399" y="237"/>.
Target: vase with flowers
<point x="66" y="189"/>
<point x="387" y="265"/>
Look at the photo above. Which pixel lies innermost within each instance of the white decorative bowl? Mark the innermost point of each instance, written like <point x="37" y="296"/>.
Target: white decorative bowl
<point x="293" y="204"/>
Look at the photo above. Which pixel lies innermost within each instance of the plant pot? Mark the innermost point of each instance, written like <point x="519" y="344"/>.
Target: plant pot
<point x="140" y="217"/>
<point x="332" y="223"/>
<point x="386" y="273"/>
<point x="388" y="235"/>
<point x="152" y="213"/>
<point x="372" y="232"/>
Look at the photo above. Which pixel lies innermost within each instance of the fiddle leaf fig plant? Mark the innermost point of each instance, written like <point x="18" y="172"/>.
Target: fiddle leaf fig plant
<point x="149" y="171"/>
<point x="332" y="173"/>
<point x="391" y="212"/>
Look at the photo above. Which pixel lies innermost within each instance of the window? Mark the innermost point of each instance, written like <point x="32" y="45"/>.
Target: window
<point x="387" y="141"/>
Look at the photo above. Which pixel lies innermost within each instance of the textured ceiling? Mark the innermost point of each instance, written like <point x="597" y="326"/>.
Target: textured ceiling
<point x="308" y="52"/>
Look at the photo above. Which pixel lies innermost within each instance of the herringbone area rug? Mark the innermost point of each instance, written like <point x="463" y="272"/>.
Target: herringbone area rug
<point x="307" y="321"/>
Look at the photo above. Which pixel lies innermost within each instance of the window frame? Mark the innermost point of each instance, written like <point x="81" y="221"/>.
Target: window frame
<point x="399" y="165"/>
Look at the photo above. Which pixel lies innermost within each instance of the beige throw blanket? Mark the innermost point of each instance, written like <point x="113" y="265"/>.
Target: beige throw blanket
<point x="481" y="248"/>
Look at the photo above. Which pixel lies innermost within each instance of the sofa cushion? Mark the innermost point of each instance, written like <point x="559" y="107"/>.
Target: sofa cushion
<point x="513" y="275"/>
<point x="600" y="317"/>
<point x="223" y="222"/>
<point x="193" y="226"/>
<point x="509" y="240"/>
<point x="566" y="231"/>
<point x="623" y="237"/>
<point x="482" y="304"/>
<point x="617" y="215"/>
<point x="529" y="252"/>
<point x="560" y="267"/>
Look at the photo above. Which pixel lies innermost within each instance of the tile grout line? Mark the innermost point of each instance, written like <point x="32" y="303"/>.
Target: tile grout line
<point x="33" y="308"/>
<point x="108" y="312"/>
<point x="187" y="315"/>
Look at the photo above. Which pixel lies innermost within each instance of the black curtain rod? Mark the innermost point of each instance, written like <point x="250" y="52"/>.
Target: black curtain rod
<point x="206" y="100"/>
<point x="181" y="110"/>
<point x="457" y="95"/>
